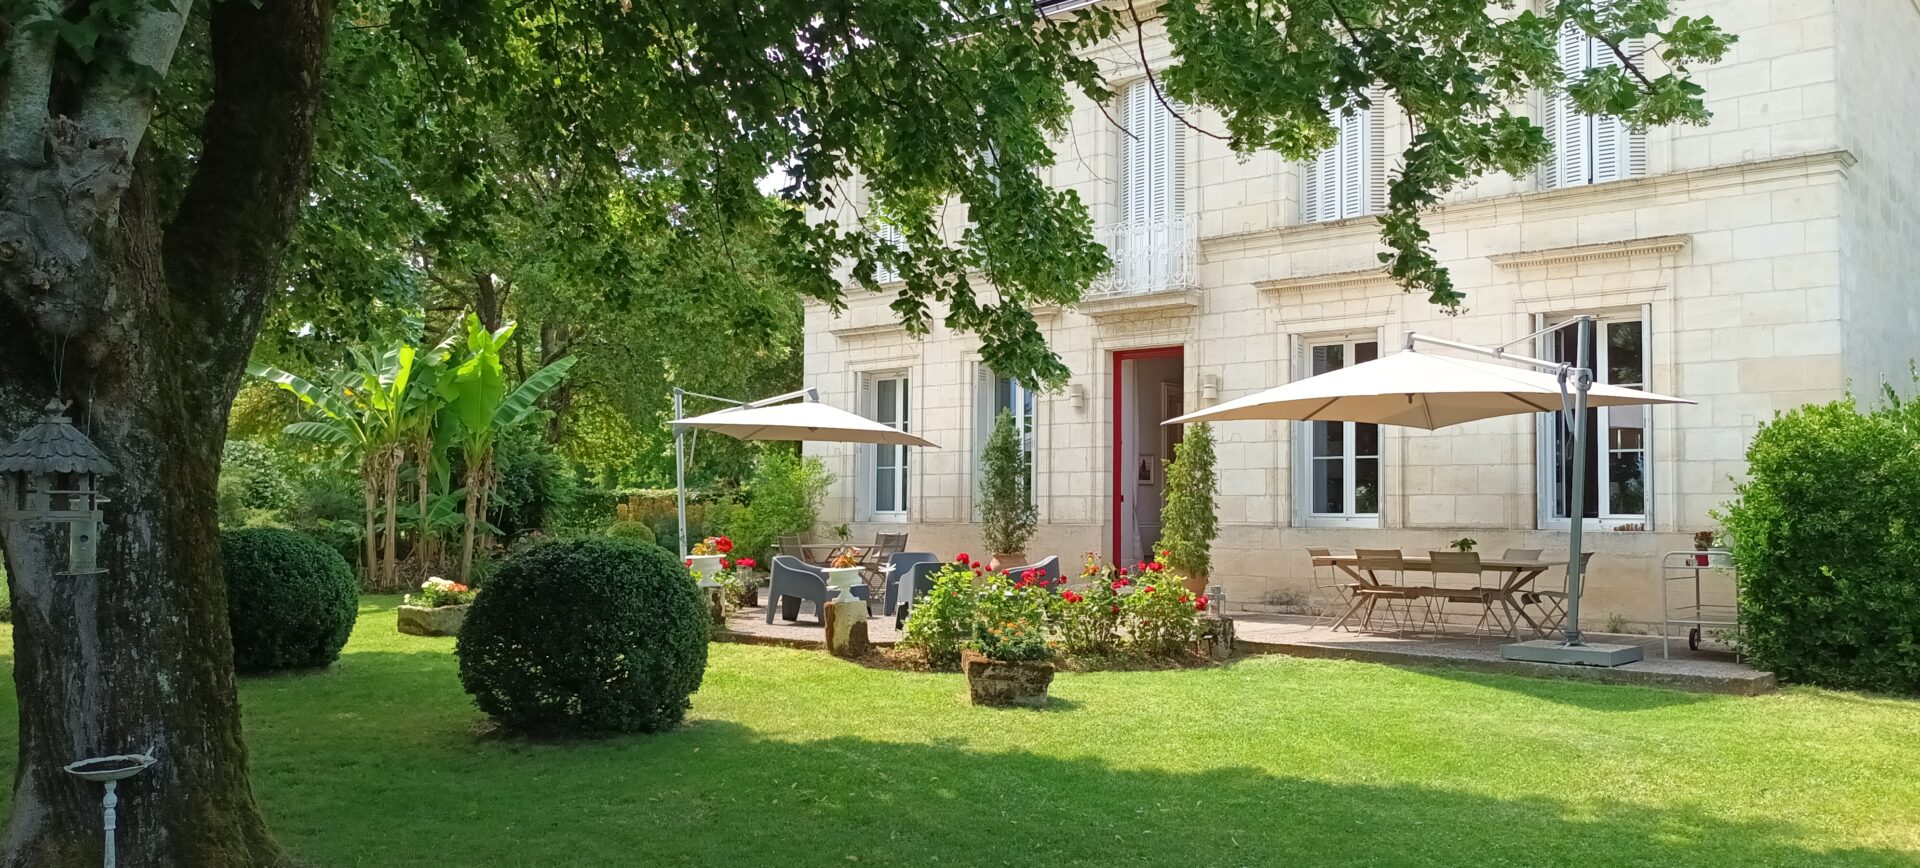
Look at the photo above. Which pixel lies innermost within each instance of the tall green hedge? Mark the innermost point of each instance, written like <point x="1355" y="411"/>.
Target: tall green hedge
<point x="291" y="600"/>
<point x="1826" y="535"/>
<point x="586" y="636"/>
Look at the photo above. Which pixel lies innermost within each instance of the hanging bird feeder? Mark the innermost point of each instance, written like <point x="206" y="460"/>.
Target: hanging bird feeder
<point x="50" y="474"/>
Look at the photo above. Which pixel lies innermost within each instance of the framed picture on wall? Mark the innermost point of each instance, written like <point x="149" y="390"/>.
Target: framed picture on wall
<point x="1149" y="471"/>
<point x="1172" y="404"/>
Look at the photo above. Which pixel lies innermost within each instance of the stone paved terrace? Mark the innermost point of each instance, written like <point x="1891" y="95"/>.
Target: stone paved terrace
<point x="1257" y="633"/>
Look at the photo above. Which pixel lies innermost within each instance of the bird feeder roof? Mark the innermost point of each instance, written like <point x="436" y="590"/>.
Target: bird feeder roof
<point x="53" y="445"/>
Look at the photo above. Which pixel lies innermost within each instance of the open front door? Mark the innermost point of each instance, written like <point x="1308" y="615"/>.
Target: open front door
<point x="1149" y="387"/>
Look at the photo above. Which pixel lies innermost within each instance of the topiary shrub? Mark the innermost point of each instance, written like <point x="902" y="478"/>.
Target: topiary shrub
<point x="632" y="531"/>
<point x="586" y="636"/>
<point x="1824" y="535"/>
<point x="291" y="600"/>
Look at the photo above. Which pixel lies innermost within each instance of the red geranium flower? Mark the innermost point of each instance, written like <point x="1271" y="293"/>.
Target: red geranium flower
<point x="747" y="563"/>
<point x="723" y="545"/>
<point x="1116" y="610"/>
<point x="1148" y="589"/>
<point x="960" y="558"/>
<point x="689" y="562"/>
<point x="1200" y="604"/>
<point x="1155" y="567"/>
<point x="1166" y="553"/>
<point x="724" y="565"/>
<point x="1070" y="596"/>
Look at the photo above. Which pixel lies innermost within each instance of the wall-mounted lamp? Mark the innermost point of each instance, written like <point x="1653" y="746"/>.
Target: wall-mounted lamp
<point x="1209" y="387"/>
<point x="1076" y="396"/>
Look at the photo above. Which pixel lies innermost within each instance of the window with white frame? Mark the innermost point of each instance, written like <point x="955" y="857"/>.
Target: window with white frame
<point x="888" y="234"/>
<point x="1338" y="481"/>
<point x="1617" y="490"/>
<point x="885" y="397"/>
<point x="994" y="394"/>
<point x="1589" y="149"/>
<point x="1349" y="178"/>
<point x="1152" y="230"/>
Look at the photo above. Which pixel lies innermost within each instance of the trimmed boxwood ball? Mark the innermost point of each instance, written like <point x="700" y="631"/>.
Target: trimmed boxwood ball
<point x="586" y="636"/>
<point x="291" y="599"/>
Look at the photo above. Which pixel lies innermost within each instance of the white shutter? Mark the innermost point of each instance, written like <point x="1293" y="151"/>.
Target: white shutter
<point x="891" y="234"/>
<point x="983" y="419"/>
<point x="1353" y="148"/>
<point x="1299" y="440"/>
<point x="863" y="456"/>
<point x="1136" y="146"/>
<point x="1376" y="154"/>
<point x="1618" y="151"/>
<point x="1570" y="130"/>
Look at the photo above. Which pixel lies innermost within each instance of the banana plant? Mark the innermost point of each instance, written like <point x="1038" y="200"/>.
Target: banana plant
<point x="482" y="407"/>
<point x="345" y="422"/>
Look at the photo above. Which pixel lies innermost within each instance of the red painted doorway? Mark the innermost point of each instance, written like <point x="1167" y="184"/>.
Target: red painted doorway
<point x="1148" y="385"/>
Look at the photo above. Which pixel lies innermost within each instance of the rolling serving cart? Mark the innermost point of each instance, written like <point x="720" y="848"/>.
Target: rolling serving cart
<point x="1698" y="591"/>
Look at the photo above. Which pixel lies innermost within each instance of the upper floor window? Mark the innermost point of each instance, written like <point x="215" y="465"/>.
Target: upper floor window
<point x="892" y="235"/>
<point x="1616" y="491"/>
<point x="1153" y="164"/>
<point x="884" y="400"/>
<point x="1349" y="179"/>
<point x="1589" y="149"/>
<point x="1338" y="478"/>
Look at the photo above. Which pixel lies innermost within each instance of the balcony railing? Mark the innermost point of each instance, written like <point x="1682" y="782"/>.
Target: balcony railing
<point x="1147" y="257"/>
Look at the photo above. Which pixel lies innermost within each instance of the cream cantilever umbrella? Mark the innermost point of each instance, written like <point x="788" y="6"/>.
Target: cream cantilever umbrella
<point x="777" y="418"/>
<point x="1422" y="390"/>
<point x="1416" y="390"/>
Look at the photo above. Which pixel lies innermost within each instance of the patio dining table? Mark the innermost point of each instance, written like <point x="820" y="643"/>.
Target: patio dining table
<point x="1517" y="575"/>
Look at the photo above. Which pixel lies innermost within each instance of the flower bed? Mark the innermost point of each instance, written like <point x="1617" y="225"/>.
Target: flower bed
<point x="439" y="609"/>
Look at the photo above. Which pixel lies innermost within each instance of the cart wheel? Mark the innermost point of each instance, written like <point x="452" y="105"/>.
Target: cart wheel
<point x="1693" y="639"/>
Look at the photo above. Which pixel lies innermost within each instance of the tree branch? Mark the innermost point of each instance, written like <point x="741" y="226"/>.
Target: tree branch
<point x="224" y="245"/>
<point x="1140" y="39"/>
<point x="27" y="84"/>
<point x="117" y="102"/>
<point x="1625" y="61"/>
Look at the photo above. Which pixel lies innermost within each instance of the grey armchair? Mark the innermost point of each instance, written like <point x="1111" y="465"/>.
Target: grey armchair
<point x="793" y="582"/>
<point x="901" y="563"/>
<point x="1048" y="567"/>
<point x="917" y="581"/>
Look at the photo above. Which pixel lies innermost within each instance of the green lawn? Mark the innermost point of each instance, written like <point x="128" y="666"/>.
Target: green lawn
<point x="793" y="758"/>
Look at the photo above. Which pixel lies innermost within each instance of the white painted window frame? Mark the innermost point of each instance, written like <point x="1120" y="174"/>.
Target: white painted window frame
<point x="870" y="471"/>
<point x="1303" y="459"/>
<point x="1547" y="427"/>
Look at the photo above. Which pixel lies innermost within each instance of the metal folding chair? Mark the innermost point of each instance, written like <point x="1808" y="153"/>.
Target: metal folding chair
<point x="1437" y="597"/>
<point x="1372" y="591"/>
<point x="1549" y="607"/>
<point x="1331" y="594"/>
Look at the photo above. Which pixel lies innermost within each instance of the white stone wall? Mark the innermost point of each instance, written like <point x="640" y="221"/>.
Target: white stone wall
<point x="1731" y="248"/>
<point x="1879" y="259"/>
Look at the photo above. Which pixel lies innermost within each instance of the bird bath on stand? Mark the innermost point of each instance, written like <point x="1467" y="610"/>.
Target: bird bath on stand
<point x="110" y="771"/>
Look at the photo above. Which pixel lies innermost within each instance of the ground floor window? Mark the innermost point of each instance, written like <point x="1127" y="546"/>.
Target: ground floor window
<point x="1617" y="458"/>
<point x="885" y="396"/>
<point x="1341" y="460"/>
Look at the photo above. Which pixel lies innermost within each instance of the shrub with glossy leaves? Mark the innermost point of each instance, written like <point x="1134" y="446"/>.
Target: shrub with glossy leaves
<point x="586" y="636"/>
<point x="1824" y="533"/>
<point x="291" y="600"/>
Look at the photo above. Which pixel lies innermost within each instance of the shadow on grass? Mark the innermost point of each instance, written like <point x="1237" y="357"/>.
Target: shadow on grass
<point x="390" y="778"/>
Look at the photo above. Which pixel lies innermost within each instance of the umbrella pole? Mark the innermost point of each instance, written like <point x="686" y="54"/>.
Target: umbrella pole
<point x="1576" y="506"/>
<point x="680" y="463"/>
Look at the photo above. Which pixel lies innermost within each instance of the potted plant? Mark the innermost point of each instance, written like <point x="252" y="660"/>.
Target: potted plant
<point x="1007" y="516"/>
<point x="1463" y="544"/>
<point x="1008" y="661"/>
<point x="746" y="585"/>
<point x="1702" y="541"/>
<point x="1189" y="521"/>
<point x="438" y="610"/>
<point x="843" y="572"/>
<point x="707" y="554"/>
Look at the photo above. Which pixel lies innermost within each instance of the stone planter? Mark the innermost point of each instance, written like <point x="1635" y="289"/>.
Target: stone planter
<point x="1007" y="561"/>
<point x="442" y="621"/>
<point x="843" y="579"/>
<point x="1006" y="682"/>
<point x="705" y="565"/>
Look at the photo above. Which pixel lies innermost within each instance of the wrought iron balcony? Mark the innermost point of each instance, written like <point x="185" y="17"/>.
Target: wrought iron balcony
<point x="1147" y="257"/>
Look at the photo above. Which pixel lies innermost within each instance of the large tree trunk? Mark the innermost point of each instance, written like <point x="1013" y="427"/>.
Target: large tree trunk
<point x="148" y="323"/>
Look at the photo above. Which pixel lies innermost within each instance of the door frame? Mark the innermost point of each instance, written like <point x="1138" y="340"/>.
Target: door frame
<point x="1120" y="464"/>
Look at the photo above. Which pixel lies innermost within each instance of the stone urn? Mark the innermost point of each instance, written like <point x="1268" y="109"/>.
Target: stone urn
<point x="437" y="621"/>
<point x="844" y="579"/>
<point x="705" y="565"/>
<point x="1021" y="683"/>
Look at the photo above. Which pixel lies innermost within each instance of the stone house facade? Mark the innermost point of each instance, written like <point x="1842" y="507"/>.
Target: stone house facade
<point x="1753" y="265"/>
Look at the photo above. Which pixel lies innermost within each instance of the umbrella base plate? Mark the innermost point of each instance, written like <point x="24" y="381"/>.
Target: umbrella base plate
<point x="1551" y="651"/>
